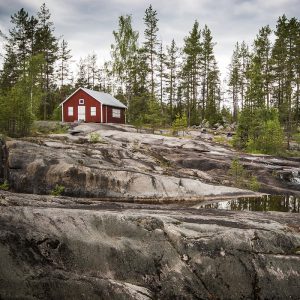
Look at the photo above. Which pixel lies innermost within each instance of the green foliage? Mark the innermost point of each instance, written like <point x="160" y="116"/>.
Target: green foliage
<point x="237" y="172"/>
<point x="56" y="115"/>
<point x="19" y="105"/>
<point x="95" y="137"/>
<point x="4" y="186"/>
<point x="221" y="139"/>
<point x="58" y="190"/>
<point x="253" y="184"/>
<point x="259" y="131"/>
<point x="226" y="115"/>
<point x="241" y="177"/>
<point x="270" y="141"/>
<point x="153" y="117"/>
<point x="138" y="123"/>
<point x="179" y="124"/>
<point x="296" y="137"/>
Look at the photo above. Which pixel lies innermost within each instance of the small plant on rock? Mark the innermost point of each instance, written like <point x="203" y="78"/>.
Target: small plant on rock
<point x="241" y="177"/>
<point x="237" y="172"/>
<point x="179" y="124"/>
<point x="95" y="137"/>
<point x="58" y="190"/>
<point x="4" y="186"/>
<point x="253" y="184"/>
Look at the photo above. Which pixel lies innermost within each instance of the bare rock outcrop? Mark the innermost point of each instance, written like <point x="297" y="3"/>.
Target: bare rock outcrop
<point x="102" y="170"/>
<point x="131" y="166"/>
<point x="68" y="248"/>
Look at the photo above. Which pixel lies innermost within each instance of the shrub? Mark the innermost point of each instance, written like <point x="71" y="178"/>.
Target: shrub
<point x="95" y="137"/>
<point x="180" y="123"/>
<point x="58" y="190"/>
<point x="4" y="186"/>
<point x="237" y="172"/>
<point x="241" y="177"/>
<point x="253" y="184"/>
<point x="259" y="131"/>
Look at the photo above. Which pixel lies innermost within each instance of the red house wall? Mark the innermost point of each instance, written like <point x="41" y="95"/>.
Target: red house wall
<point x="88" y="103"/>
<point x="104" y="107"/>
<point x="110" y="118"/>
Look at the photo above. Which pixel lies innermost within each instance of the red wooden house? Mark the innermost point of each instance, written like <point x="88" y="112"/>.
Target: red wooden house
<point x="92" y="106"/>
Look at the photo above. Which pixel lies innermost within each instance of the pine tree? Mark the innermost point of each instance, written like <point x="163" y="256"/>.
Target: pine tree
<point x="82" y="80"/>
<point x="18" y="49"/>
<point x="19" y="37"/>
<point x="210" y="79"/>
<point x="46" y="44"/>
<point x="161" y="73"/>
<point x="190" y="72"/>
<point x="150" y="44"/>
<point x="63" y="76"/>
<point x="171" y="76"/>
<point x="284" y="60"/>
<point x="64" y="56"/>
<point x="262" y="53"/>
<point x="244" y="62"/>
<point x="20" y="104"/>
<point x="123" y="54"/>
<point x="234" y="80"/>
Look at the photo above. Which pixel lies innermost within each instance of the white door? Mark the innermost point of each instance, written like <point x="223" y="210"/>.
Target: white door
<point x="81" y="113"/>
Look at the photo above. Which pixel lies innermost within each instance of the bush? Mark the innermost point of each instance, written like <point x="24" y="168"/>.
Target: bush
<point x="259" y="131"/>
<point x="4" y="186"/>
<point x="58" y="190"/>
<point x="180" y="123"/>
<point x="253" y="184"/>
<point x="95" y="137"/>
<point x="241" y="177"/>
<point x="237" y="172"/>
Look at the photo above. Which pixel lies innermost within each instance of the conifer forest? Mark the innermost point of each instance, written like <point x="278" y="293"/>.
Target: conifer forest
<point x="161" y="84"/>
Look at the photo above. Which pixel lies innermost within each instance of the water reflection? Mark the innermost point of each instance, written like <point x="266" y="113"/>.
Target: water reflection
<point x="267" y="203"/>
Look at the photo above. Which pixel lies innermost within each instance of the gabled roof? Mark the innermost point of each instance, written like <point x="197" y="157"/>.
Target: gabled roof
<point x="102" y="97"/>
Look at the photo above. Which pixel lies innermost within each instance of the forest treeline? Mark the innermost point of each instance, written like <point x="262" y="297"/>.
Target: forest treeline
<point x="160" y="83"/>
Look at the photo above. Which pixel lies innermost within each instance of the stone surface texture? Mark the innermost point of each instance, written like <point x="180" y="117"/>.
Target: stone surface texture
<point x="70" y="248"/>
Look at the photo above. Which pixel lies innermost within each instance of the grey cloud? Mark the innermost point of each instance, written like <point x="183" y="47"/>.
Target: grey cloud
<point x="88" y="24"/>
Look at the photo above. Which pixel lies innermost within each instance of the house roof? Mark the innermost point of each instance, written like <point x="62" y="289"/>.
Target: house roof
<point x="102" y="97"/>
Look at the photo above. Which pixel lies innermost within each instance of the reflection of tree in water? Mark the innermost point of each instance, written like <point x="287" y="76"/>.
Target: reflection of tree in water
<point x="267" y="203"/>
<point x="283" y="203"/>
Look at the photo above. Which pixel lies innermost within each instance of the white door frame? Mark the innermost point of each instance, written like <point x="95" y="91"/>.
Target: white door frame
<point x="81" y="113"/>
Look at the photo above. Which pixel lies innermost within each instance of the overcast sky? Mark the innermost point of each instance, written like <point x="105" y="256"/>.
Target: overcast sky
<point x="87" y="25"/>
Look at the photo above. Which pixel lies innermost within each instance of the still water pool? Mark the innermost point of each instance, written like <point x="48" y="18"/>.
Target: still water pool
<point x="283" y="203"/>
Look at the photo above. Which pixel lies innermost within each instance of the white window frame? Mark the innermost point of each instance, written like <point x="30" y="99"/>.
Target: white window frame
<point x="116" y="113"/>
<point x="93" y="111"/>
<point x="81" y="101"/>
<point x="70" y="111"/>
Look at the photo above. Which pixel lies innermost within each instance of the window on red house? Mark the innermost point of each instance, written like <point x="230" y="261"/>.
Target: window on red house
<point x="116" y="113"/>
<point x="70" y="111"/>
<point x="93" y="111"/>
